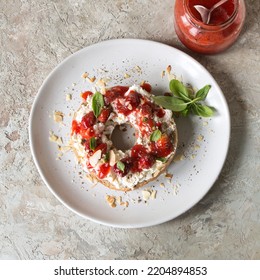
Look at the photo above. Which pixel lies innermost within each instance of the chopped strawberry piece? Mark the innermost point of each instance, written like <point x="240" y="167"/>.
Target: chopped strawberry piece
<point x="102" y="147"/>
<point x="128" y="163"/>
<point x="88" y="120"/>
<point x="159" y="125"/>
<point x="85" y="95"/>
<point x="146" y="125"/>
<point x="146" y="87"/>
<point x="89" y="166"/>
<point x="129" y="103"/>
<point x="104" y="115"/>
<point x="141" y="159"/>
<point x="114" y="92"/>
<point x="134" y="167"/>
<point x="138" y="151"/>
<point x="122" y="108"/>
<point x="163" y="147"/>
<point x="160" y="113"/>
<point x="86" y="144"/>
<point x="146" y="109"/>
<point x="87" y="133"/>
<point x="75" y="127"/>
<point x="150" y="124"/>
<point x="103" y="171"/>
<point x="134" y="99"/>
<point x="146" y="161"/>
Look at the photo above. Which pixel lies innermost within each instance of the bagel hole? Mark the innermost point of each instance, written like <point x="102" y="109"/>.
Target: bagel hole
<point x="123" y="137"/>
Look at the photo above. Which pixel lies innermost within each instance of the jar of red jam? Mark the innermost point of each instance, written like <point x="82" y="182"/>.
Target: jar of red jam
<point x="220" y="33"/>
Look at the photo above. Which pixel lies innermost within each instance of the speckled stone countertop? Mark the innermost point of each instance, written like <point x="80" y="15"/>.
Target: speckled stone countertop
<point x="35" y="37"/>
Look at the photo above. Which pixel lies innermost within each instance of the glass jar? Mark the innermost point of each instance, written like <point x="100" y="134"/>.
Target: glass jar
<point x="221" y="32"/>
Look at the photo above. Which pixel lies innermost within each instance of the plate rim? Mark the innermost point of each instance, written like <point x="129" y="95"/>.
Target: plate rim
<point x="115" y="224"/>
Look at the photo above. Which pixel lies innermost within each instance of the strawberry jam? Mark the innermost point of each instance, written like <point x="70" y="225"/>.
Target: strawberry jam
<point x="221" y="32"/>
<point x="138" y="151"/>
<point x="146" y="126"/>
<point x="88" y="120"/>
<point x="146" y="109"/>
<point x="129" y="103"/>
<point x="219" y="15"/>
<point x="160" y="113"/>
<point x="142" y="158"/>
<point x="146" y="162"/>
<point x="133" y="98"/>
<point x="114" y="93"/>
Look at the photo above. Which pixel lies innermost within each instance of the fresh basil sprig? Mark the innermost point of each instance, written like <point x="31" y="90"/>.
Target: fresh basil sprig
<point x="185" y="101"/>
<point x="97" y="103"/>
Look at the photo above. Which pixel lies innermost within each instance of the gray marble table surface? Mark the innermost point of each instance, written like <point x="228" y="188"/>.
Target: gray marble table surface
<point x="35" y="37"/>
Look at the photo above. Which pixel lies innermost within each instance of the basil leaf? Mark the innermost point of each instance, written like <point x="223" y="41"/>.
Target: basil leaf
<point x="203" y="92"/>
<point x="120" y="165"/>
<point x="184" y="100"/>
<point x="190" y="92"/>
<point x="202" y="110"/>
<point x="162" y="159"/>
<point x="156" y="135"/>
<point x="93" y="143"/>
<point x="179" y="90"/>
<point x="185" y="112"/>
<point x="170" y="102"/>
<point x="107" y="157"/>
<point x="97" y="103"/>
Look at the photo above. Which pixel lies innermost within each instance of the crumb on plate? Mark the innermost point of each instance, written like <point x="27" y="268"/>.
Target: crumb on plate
<point x="92" y="79"/>
<point x="68" y="97"/>
<point x="126" y="76"/>
<point x="56" y="139"/>
<point x="111" y="200"/>
<point x="84" y="75"/>
<point x="58" y="116"/>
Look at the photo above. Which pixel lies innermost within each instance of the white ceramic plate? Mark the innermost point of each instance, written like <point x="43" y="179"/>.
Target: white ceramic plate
<point x="203" y="143"/>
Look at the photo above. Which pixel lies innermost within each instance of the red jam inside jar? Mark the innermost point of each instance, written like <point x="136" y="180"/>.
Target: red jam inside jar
<point x="221" y="32"/>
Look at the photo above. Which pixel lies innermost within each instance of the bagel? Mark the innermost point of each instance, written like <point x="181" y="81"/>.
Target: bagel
<point x="92" y="127"/>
